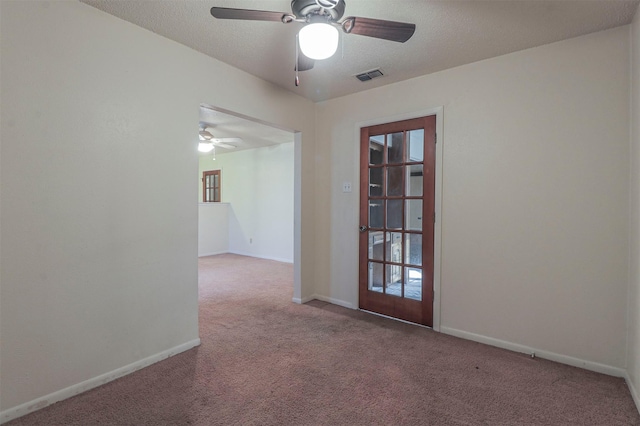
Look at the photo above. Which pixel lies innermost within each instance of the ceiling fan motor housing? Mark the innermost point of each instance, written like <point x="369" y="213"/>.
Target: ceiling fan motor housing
<point x="304" y="8"/>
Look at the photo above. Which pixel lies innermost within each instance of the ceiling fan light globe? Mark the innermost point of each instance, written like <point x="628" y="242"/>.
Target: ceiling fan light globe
<point x="318" y="40"/>
<point x="205" y="147"/>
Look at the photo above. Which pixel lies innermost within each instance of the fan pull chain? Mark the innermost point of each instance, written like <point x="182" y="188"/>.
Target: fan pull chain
<point x="297" y="79"/>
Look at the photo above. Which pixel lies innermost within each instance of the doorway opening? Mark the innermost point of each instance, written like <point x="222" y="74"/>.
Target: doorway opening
<point x="257" y="193"/>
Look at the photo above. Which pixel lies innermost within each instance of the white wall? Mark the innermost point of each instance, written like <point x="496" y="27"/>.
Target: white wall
<point x="213" y="228"/>
<point x="98" y="263"/>
<point x="633" y="351"/>
<point x="258" y="185"/>
<point x="535" y="194"/>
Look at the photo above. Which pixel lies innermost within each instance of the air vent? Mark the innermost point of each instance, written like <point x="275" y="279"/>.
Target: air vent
<point x="369" y="75"/>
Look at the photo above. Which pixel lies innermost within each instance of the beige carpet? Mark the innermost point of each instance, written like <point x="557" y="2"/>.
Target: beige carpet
<point x="267" y="361"/>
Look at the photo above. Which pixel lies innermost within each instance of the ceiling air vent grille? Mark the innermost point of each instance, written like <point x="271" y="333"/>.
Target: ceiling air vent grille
<point x="369" y="75"/>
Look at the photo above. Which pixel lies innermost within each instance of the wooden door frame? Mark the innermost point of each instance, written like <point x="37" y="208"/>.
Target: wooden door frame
<point x="437" y="237"/>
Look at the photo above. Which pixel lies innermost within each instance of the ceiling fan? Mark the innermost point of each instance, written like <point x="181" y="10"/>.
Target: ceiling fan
<point x="318" y="38"/>
<point x="208" y="142"/>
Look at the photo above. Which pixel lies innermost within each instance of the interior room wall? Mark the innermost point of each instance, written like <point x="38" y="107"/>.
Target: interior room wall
<point x="98" y="263"/>
<point x="213" y="228"/>
<point x="534" y="195"/>
<point x="258" y="185"/>
<point x="633" y="351"/>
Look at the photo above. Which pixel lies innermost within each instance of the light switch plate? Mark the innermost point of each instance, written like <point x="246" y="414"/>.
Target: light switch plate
<point x="346" y="186"/>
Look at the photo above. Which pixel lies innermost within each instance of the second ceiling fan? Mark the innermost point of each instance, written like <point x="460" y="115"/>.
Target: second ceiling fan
<point x="208" y="142"/>
<point x="318" y="38"/>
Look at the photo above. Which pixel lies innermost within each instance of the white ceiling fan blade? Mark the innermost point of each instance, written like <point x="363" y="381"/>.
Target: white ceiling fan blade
<point x="226" y="140"/>
<point x="223" y="145"/>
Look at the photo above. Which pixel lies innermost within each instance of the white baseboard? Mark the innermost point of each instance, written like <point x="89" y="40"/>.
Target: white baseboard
<point x="326" y="299"/>
<point x="632" y="390"/>
<point x="552" y="356"/>
<point x="44" y="401"/>
<point x="303" y="300"/>
<point x="335" y="301"/>
<point x="277" y="259"/>
<point x="212" y="253"/>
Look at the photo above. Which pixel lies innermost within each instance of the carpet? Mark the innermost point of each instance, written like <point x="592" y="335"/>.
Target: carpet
<point x="267" y="361"/>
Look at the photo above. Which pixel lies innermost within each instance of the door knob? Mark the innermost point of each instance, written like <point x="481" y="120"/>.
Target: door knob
<point x="363" y="228"/>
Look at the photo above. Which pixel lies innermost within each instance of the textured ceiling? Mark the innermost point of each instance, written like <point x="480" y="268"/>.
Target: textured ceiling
<point x="449" y="33"/>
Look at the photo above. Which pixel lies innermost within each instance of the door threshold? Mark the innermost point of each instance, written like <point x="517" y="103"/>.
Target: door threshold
<point x="396" y="319"/>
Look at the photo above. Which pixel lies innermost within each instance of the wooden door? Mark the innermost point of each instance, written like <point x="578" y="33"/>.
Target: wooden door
<point x="397" y="215"/>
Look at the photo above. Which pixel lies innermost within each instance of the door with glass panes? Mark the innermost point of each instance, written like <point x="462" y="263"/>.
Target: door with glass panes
<point x="397" y="215"/>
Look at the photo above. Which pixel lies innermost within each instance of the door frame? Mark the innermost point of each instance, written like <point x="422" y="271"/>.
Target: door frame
<point x="437" y="231"/>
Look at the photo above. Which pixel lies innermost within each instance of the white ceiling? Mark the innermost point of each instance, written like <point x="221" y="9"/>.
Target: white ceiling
<point x="254" y="134"/>
<point x="449" y="33"/>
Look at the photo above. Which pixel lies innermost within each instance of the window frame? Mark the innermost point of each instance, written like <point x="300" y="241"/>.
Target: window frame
<point x="205" y="174"/>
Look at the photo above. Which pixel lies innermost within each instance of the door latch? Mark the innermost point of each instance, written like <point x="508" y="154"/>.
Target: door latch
<point x="363" y="228"/>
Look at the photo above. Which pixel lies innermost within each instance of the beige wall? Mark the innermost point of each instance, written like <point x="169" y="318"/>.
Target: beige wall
<point x="99" y="224"/>
<point x="534" y="196"/>
<point x="633" y="352"/>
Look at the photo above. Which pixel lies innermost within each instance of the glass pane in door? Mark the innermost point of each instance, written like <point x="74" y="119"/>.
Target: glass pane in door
<point x="375" y="181"/>
<point x="375" y="276"/>
<point x="414" y="215"/>
<point x="413" y="249"/>
<point x="376" y="149"/>
<point x="393" y="285"/>
<point x="416" y="145"/>
<point x="414" y="180"/>
<point x="376" y="245"/>
<point x="413" y="283"/>
<point x="394" y="247"/>
<point x="395" y="148"/>
<point x="394" y="181"/>
<point x="394" y="214"/>
<point x="376" y="213"/>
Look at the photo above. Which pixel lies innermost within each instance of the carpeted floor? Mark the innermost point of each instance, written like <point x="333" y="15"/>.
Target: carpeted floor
<point x="267" y="361"/>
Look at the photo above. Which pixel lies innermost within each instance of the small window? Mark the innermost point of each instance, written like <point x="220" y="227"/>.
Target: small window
<point x="211" y="186"/>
